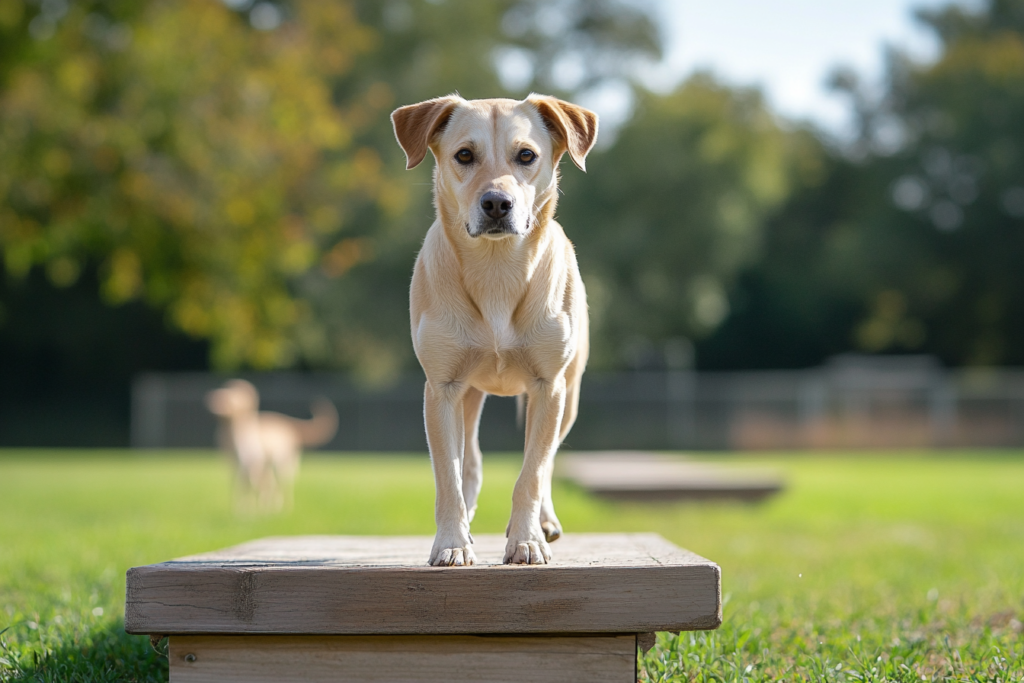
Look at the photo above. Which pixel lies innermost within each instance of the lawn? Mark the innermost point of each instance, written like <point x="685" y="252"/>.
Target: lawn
<point x="870" y="567"/>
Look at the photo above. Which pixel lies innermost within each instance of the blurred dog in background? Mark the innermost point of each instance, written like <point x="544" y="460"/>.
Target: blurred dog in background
<point x="266" y="446"/>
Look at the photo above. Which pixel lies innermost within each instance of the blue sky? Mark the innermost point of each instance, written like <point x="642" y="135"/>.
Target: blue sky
<point x="788" y="47"/>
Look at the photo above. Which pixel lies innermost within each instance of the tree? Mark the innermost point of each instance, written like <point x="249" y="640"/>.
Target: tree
<point x="666" y="218"/>
<point x="202" y="164"/>
<point x="912" y="240"/>
<point x="429" y="49"/>
<point x="237" y="168"/>
<point x="956" y="195"/>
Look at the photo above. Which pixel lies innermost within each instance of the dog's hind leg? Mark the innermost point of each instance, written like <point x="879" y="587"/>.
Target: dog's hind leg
<point x="472" y="462"/>
<point x="548" y="519"/>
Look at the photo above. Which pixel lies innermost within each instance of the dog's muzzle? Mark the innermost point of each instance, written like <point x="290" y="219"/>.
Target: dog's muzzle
<point x="498" y="219"/>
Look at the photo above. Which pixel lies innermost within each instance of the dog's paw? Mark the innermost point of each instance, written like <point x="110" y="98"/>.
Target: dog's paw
<point x="530" y="550"/>
<point x="552" y="531"/>
<point x="452" y="553"/>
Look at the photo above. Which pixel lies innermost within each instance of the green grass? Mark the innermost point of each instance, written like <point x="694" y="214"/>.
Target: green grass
<point x="870" y="567"/>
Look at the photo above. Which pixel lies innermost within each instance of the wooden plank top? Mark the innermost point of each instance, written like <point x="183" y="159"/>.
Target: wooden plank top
<point x="365" y="585"/>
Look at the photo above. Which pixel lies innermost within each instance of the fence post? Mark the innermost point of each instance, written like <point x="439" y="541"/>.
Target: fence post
<point x="680" y="393"/>
<point x="812" y="404"/>
<point x="148" y="412"/>
<point x="942" y="409"/>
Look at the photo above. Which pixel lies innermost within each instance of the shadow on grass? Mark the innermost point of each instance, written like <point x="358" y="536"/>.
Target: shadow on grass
<point x="101" y="654"/>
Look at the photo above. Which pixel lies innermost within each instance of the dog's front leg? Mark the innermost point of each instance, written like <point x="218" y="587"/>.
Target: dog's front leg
<point x="443" y="413"/>
<point x="526" y="543"/>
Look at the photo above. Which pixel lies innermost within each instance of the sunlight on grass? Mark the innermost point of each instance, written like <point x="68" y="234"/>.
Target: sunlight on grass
<point x="875" y="566"/>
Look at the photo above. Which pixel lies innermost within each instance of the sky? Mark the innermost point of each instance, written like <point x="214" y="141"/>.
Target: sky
<point x="788" y="47"/>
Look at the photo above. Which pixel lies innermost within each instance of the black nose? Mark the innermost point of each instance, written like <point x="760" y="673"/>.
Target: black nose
<point x="496" y="204"/>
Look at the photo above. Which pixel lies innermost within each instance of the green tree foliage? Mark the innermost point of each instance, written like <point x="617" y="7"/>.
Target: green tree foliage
<point x="958" y="185"/>
<point x="942" y="249"/>
<point x="201" y="163"/>
<point x="913" y="239"/>
<point x="247" y="181"/>
<point x="666" y="217"/>
<point x="800" y="301"/>
<point x="429" y="49"/>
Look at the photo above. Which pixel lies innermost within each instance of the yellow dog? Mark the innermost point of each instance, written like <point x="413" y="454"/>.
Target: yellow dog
<point x="497" y="304"/>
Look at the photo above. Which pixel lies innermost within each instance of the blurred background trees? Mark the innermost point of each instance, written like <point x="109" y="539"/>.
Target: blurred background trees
<point x="912" y="238"/>
<point x="666" y="218"/>
<point x="205" y="184"/>
<point x="200" y="165"/>
<point x="479" y="49"/>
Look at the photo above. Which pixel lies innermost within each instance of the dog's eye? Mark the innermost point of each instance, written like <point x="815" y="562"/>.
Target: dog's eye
<point x="526" y="156"/>
<point x="464" y="156"/>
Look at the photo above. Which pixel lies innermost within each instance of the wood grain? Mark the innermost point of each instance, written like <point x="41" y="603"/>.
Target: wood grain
<point x="398" y="659"/>
<point x="599" y="583"/>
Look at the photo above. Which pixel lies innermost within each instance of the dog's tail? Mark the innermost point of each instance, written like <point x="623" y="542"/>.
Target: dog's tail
<point x="520" y="410"/>
<point x="322" y="427"/>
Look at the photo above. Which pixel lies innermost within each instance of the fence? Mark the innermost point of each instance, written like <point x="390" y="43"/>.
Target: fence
<point x="851" y="402"/>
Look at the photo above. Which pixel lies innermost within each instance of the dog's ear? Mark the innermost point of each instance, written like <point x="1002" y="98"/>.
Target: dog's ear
<point x="573" y="128"/>
<point x="416" y="124"/>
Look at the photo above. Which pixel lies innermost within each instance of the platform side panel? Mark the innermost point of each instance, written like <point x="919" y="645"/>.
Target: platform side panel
<point x="395" y="601"/>
<point x="397" y="659"/>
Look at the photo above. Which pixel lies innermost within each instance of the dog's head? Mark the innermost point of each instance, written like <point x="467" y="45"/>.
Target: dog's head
<point x="497" y="160"/>
<point x="236" y="397"/>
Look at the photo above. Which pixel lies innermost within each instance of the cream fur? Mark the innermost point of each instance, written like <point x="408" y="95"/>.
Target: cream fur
<point x="502" y="314"/>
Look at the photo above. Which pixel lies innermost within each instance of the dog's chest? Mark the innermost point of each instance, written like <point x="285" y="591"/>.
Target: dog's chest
<point x="519" y="318"/>
<point x="512" y="354"/>
<point x="497" y="289"/>
<point x="496" y="330"/>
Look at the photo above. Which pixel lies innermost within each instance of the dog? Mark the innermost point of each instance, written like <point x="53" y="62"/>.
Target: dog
<point x="266" y="447"/>
<point x="497" y="305"/>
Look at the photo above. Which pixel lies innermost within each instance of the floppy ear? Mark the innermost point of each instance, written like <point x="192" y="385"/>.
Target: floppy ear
<point x="573" y="128"/>
<point x="416" y="124"/>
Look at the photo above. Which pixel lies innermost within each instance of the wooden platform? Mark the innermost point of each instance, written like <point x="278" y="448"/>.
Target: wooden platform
<point x="349" y="608"/>
<point x="643" y="476"/>
<point x="401" y="659"/>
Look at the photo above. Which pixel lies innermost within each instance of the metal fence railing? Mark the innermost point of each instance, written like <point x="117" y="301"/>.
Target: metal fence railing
<point x="851" y="402"/>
